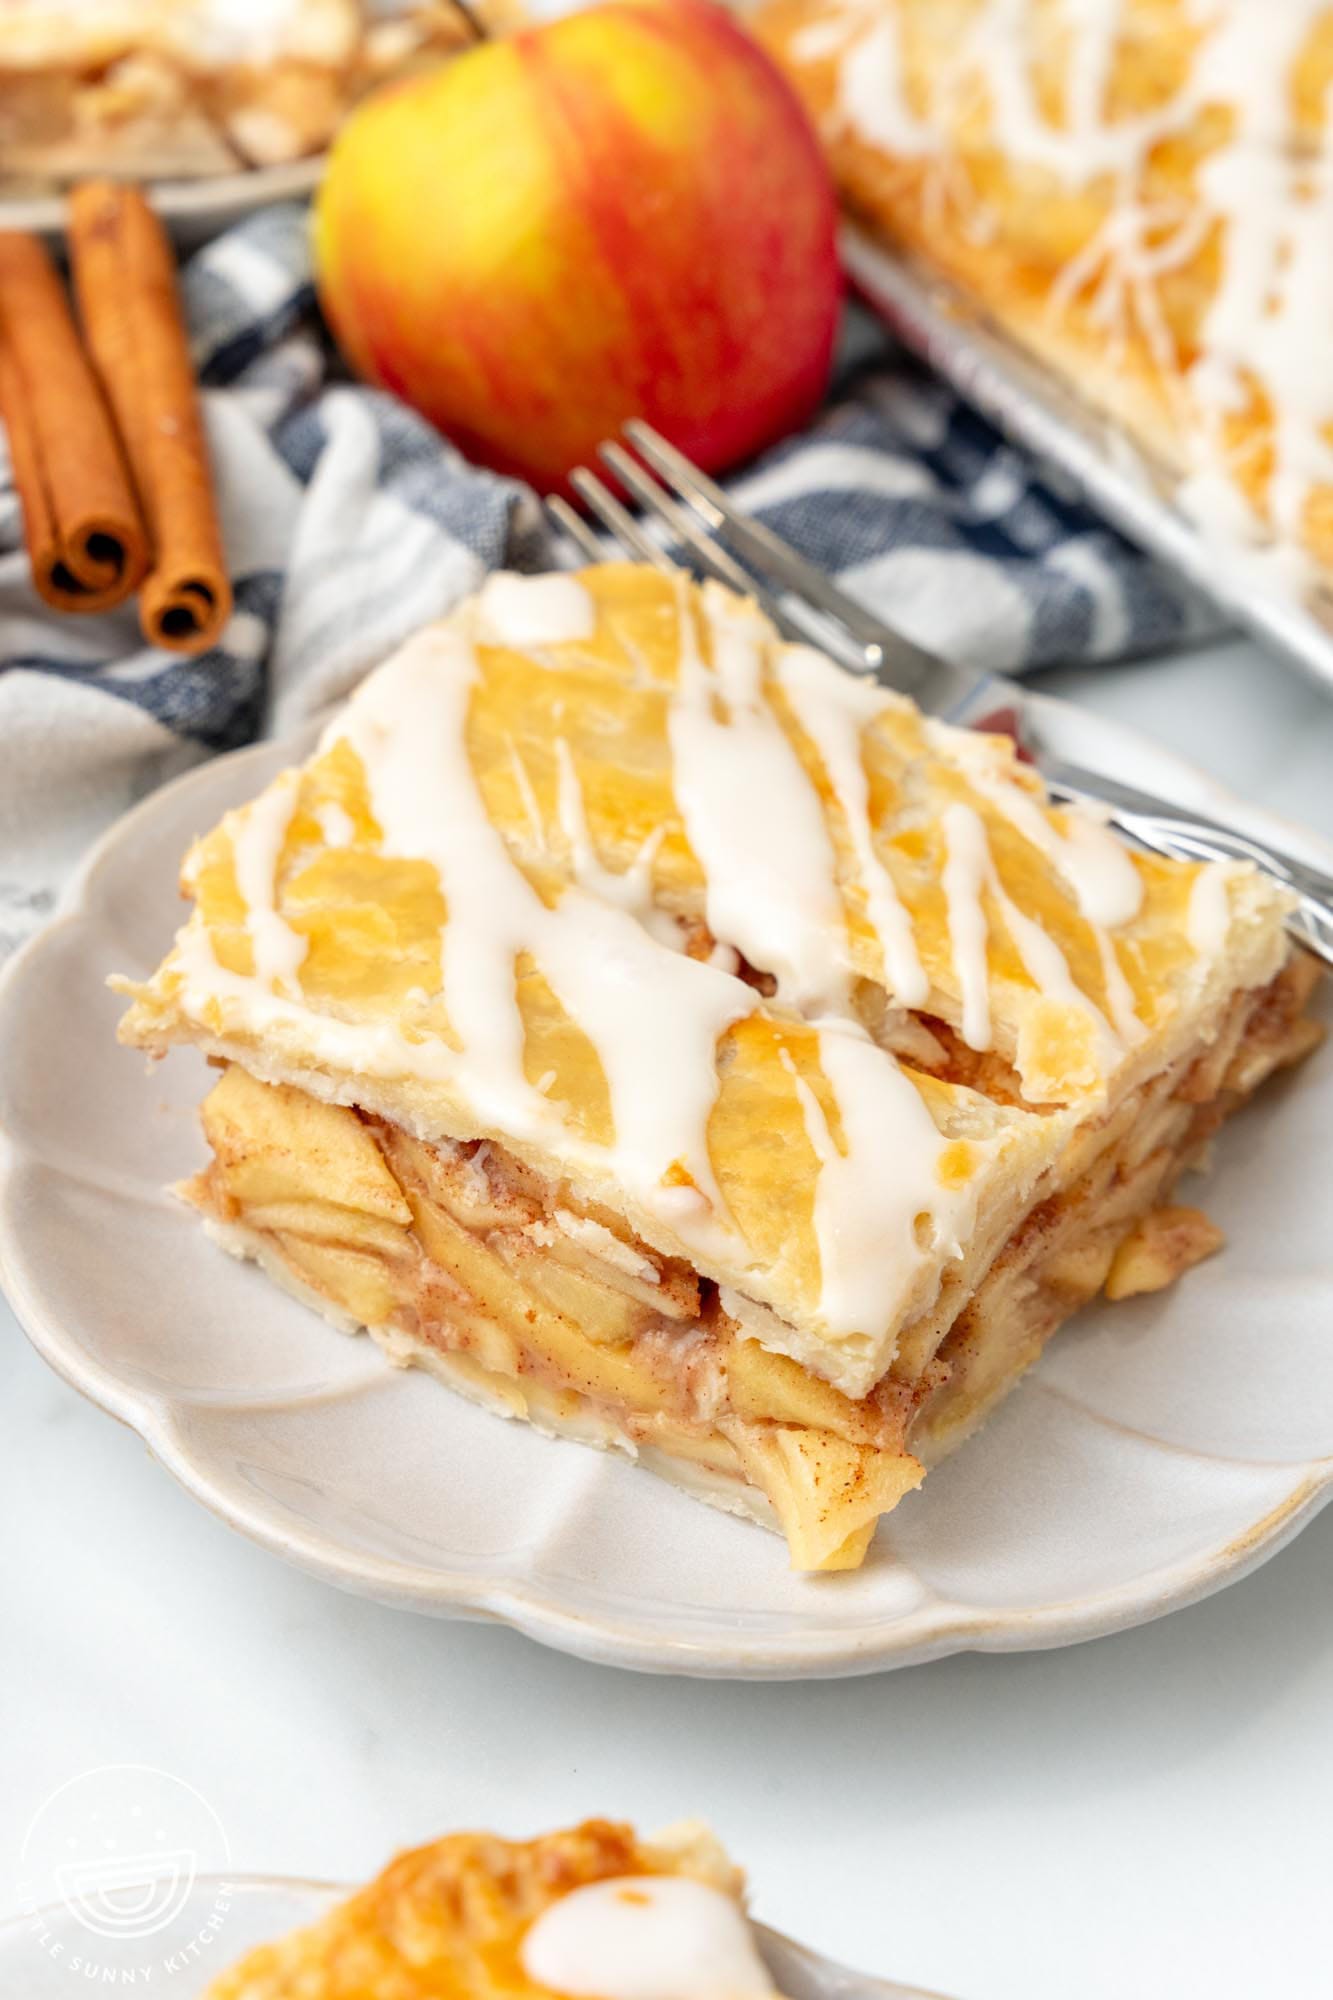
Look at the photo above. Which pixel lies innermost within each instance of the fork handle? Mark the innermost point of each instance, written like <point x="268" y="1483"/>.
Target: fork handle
<point x="1184" y="835"/>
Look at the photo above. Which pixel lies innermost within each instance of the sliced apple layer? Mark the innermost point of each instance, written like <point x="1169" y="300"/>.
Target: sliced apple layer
<point x="460" y="1259"/>
<point x="562" y="1317"/>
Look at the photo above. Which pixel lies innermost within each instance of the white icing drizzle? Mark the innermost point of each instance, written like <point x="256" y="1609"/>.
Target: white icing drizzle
<point x="631" y="890"/>
<point x="751" y="817"/>
<point x="821" y="38"/>
<point x="872" y="95"/>
<point x="1271" y="317"/>
<point x="646" y="1937"/>
<point x="1099" y="870"/>
<point x="969" y="869"/>
<point x="866" y="1221"/>
<point x="1208" y="915"/>
<point x="1262" y="185"/>
<point x="1119" y="994"/>
<point x="257" y="842"/>
<point x="1088" y="857"/>
<point x="335" y="824"/>
<point x="523" y="611"/>
<point x="1002" y="43"/>
<point x="1043" y="960"/>
<point x="833" y="709"/>
<point x="964" y="876"/>
<point x="253" y="32"/>
<point x="1105" y="883"/>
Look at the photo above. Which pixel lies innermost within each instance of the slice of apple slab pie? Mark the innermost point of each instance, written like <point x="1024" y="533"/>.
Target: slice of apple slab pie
<point x="667" y="1039"/>
<point x="590" y="1909"/>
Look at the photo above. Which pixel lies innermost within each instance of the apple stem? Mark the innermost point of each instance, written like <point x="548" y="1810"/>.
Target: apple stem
<point x="473" y="19"/>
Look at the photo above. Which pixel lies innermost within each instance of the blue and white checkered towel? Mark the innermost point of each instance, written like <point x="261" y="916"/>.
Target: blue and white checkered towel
<point x="349" y="522"/>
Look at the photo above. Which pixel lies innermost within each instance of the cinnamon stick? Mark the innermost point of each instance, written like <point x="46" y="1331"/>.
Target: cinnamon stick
<point x="85" y="535"/>
<point x="125" y="279"/>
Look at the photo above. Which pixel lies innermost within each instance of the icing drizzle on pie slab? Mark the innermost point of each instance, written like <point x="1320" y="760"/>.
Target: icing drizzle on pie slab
<point x="523" y="611"/>
<point x="749" y="815"/>
<point x="1252" y="233"/>
<point x="833" y="715"/>
<point x="893" y="1196"/>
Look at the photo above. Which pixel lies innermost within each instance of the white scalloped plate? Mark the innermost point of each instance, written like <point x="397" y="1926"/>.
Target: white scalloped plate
<point x="1162" y="1448"/>
<point x="39" y="1951"/>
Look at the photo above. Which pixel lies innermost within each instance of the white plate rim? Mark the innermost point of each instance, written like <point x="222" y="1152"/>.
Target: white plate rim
<point x="636" y="1642"/>
<point x="202" y="200"/>
<point x="818" y="1977"/>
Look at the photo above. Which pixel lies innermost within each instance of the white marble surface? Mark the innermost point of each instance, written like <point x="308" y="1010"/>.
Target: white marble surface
<point x="1140" y="1817"/>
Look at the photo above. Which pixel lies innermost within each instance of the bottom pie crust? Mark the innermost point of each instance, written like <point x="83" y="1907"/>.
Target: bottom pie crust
<point x="497" y="1394"/>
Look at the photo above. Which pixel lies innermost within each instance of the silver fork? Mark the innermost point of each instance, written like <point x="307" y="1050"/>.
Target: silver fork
<point x="808" y="607"/>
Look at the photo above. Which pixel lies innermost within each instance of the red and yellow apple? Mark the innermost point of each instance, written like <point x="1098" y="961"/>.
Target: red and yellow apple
<point x="624" y="212"/>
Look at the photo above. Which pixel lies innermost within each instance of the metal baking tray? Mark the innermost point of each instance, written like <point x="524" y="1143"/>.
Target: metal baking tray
<point x="1031" y="405"/>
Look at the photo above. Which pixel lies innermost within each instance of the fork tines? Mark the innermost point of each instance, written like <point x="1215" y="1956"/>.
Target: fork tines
<point x="684" y="511"/>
